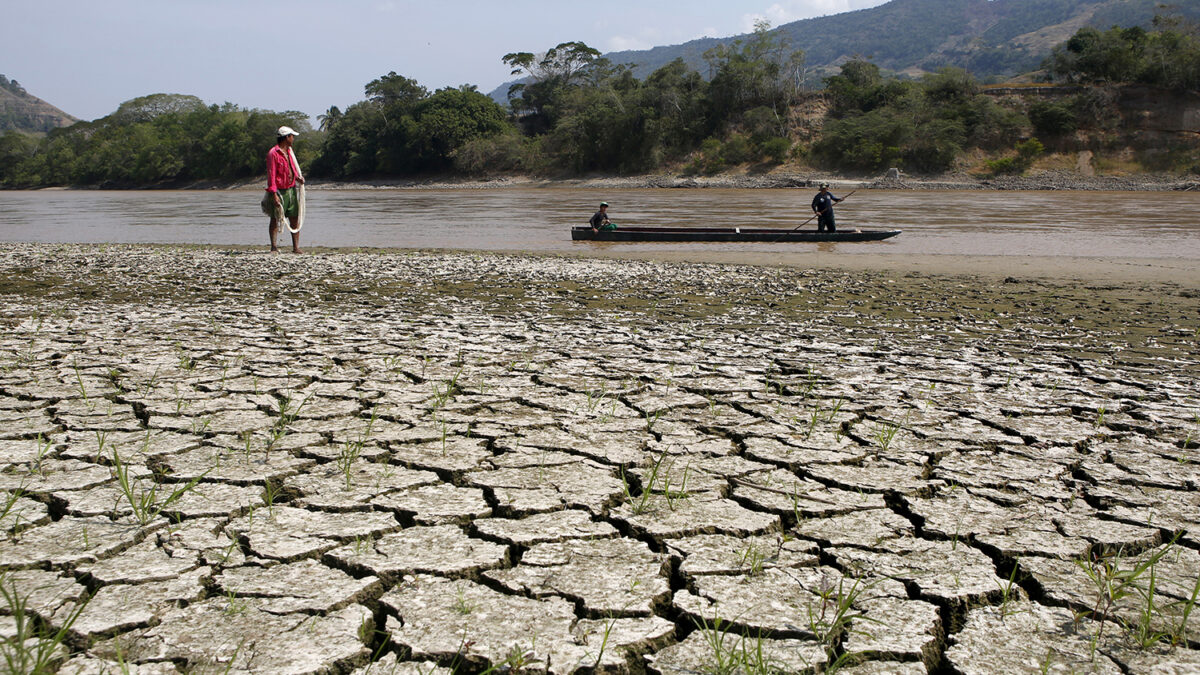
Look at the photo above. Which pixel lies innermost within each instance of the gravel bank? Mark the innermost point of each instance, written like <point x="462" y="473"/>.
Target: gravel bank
<point x="217" y="460"/>
<point x="1043" y="180"/>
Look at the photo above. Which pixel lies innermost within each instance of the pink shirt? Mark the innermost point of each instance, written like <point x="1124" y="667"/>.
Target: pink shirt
<point x="281" y="171"/>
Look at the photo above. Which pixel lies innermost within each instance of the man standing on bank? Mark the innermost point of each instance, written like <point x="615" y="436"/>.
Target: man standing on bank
<point x="822" y="205"/>
<point x="281" y="200"/>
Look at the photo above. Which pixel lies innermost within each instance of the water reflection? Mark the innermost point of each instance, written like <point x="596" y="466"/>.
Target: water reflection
<point x="1118" y="224"/>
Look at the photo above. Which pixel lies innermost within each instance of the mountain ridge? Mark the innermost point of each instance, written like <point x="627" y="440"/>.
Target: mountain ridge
<point x="22" y="111"/>
<point x="995" y="40"/>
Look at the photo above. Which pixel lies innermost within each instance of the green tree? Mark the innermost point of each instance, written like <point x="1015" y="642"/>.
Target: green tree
<point x="676" y="97"/>
<point x="762" y="71"/>
<point x="146" y="108"/>
<point x="329" y="118"/>
<point x="550" y="76"/>
<point x="1168" y="56"/>
<point x="393" y="89"/>
<point x="451" y="118"/>
<point x="16" y="148"/>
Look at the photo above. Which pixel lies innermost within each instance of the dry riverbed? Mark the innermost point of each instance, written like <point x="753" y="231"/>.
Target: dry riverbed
<point x="215" y="460"/>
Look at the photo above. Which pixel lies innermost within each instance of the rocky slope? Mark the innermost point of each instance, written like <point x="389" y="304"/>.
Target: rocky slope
<point x="21" y="111"/>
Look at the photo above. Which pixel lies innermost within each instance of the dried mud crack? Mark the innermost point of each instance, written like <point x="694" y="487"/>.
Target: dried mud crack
<point x="220" y="461"/>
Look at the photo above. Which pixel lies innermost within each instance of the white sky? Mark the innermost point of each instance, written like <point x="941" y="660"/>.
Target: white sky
<point x="88" y="56"/>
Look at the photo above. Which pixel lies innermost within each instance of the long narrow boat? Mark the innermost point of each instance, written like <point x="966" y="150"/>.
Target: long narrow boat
<point x="734" y="234"/>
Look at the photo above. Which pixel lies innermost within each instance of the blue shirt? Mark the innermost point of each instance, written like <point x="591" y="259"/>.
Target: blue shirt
<point x="823" y="202"/>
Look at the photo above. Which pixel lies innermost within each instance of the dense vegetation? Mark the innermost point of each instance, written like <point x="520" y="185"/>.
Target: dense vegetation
<point x="152" y="139"/>
<point x="577" y="112"/>
<point x="1169" y="57"/>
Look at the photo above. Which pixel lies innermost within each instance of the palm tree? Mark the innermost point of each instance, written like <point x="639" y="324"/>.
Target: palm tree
<point x="330" y="118"/>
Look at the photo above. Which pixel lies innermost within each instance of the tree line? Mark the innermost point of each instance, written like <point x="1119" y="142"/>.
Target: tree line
<point x="575" y="112"/>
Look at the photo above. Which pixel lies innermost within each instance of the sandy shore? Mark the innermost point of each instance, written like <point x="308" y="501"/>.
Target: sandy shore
<point x="219" y="460"/>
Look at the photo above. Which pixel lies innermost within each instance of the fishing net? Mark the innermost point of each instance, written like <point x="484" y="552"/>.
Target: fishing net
<point x="299" y="197"/>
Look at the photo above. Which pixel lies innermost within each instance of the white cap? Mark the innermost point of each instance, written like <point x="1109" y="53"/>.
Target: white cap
<point x="287" y="131"/>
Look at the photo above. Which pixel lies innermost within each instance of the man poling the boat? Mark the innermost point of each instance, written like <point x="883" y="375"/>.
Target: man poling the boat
<point x="822" y="205"/>
<point x="285" y="189"/>
<point x="817" y="213"/>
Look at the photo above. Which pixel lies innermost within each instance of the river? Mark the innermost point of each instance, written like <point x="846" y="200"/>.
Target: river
<point x="1077" y="224"/>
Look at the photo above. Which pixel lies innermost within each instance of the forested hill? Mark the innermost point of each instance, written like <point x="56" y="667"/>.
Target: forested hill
<point x="993" y="39"/>
<point x="21" y="111"/>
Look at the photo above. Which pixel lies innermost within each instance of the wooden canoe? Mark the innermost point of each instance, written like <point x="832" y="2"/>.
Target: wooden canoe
<point x="726" y="234"/>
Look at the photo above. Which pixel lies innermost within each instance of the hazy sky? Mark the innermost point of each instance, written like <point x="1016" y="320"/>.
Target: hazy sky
<point x="88" y="56"/>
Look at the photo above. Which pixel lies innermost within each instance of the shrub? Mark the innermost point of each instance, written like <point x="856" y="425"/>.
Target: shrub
<point x="502" y="152"/>
<point x="1004" y="166"/>
<point x="775" y="149"/>
<point x="737" y="149"/>
<point x="1052" y="118"/>
<point x="1027" y="151"/>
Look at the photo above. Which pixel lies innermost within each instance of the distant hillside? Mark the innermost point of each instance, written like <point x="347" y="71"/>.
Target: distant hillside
<point x="21" y="111"/>
<point x="993" y="39"/>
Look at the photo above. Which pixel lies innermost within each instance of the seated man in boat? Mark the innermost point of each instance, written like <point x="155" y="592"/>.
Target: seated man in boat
<point x="822" y="205"/>
<point x="600" y="220"/>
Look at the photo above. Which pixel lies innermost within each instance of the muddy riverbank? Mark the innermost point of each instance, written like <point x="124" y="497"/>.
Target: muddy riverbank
<point x="217" y="460"/>
<point x="1039" y="180"/>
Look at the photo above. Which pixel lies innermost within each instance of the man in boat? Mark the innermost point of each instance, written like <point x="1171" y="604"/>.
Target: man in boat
<point x="600" y="219"/>
<point x="282" y="200"/>
<point x="822" y="205"/>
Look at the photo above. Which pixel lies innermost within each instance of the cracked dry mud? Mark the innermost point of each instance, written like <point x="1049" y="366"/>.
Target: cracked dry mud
<point x="219" y="461"/>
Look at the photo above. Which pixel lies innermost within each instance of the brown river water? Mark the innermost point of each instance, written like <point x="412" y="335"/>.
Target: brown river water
<point x="1083" y="224"/>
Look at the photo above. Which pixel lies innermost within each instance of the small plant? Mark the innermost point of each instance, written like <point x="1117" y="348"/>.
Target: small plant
<point x="651" y="420"/>
<point x="1178" y="634"/>
<point x="836" y="615"/>
<point x="146" y="504"/>
<point x="287" y="415"/>
<point x="271" y="492"/>
<point x="595" y="397"/>
<point x="363" y="545"/>
<point x="43" y="450"/>
<point x="642" y="503"/>
<point x="186" y="362"/>
<point x="884" y="435"/>
<point x="6" y="506"/>
<point x="443" y="432"/>
<point x="1114" y="583"/>
<point x="513" y="662"/>
<point x="79" y="382"/>
<point x="461" y="604"/>
<point x="681" y="493"/>
<point x="837" y="407"/>
<point x="608" y="626"/>
<point x="1142" y="631"/>
<point x="345" y="460"/>
<point x="32" y="646"/>
<point x="751" y="559"/>
<point x="200" y="426"/>
<point x="1007" y="592"/>
<point x="234" y="604"/>
<point x="770" y="383"/>
<point x="736" y="653"/>
<point x="723" y="659"/>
